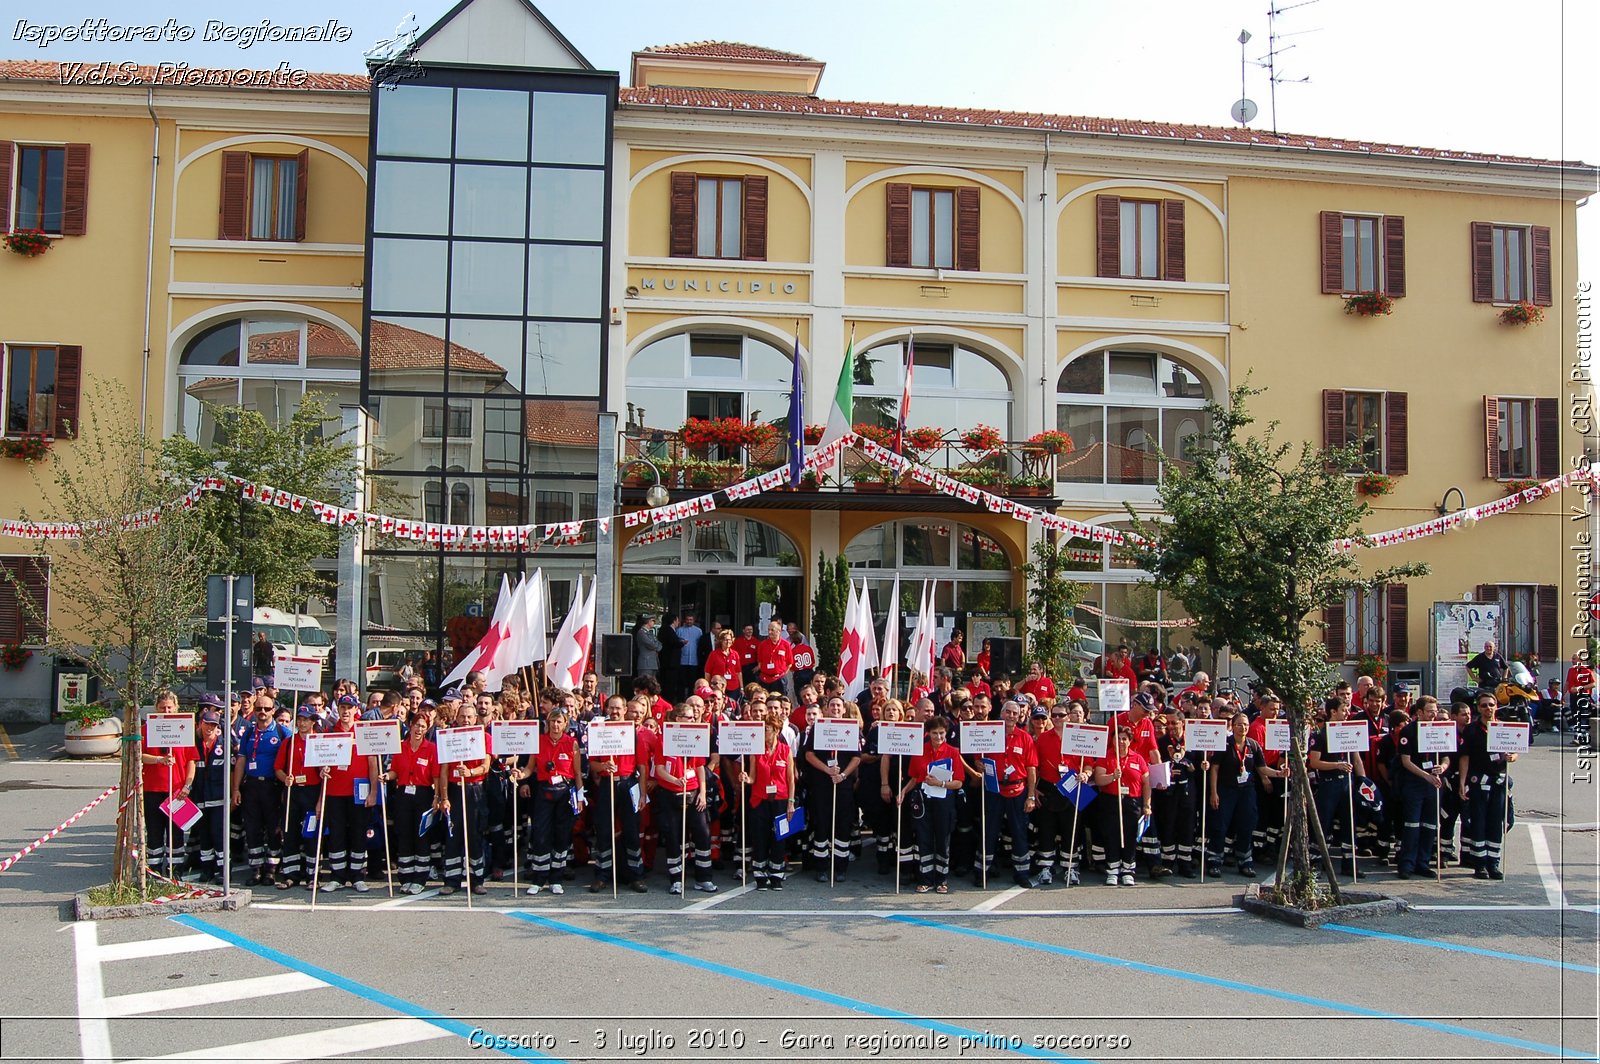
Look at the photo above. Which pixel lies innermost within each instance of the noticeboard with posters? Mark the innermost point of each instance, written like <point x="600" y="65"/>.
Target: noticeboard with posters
<point x="1458" y="631"/>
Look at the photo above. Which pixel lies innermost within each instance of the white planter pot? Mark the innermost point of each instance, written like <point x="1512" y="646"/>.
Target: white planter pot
<point x="100" y="739"/>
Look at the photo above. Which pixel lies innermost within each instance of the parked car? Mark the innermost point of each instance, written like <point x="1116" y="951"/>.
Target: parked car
<point x="383" y="666"/>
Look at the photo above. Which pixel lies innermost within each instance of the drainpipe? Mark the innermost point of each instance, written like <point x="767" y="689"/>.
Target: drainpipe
<point x="149" y="265"/>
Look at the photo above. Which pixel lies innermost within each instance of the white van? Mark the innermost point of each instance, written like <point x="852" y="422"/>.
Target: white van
<point x="296" y="634"/>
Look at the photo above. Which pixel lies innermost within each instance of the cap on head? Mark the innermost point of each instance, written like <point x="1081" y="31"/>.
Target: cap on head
<point x="305" y="713"/>
<point x="212" y="701"/>
<point x="210" y="716"/>
<point x="348" y="700"/>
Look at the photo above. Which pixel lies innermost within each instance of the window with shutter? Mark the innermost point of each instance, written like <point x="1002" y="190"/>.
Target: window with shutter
<point x="1142" y="239"/>
<point x="897" y="227"/>
<point x="1363" y="424"/>
<point x="1333" y="632"/>
<point x="1366" y="623"/>
<point x="755" y="218"/>
<point x="233" y="201"/>
<point x="1511" y="264"/>
<point x="1491" y="437"/>
<point x="24" y="599"/>
<point x="716" y="216"/>
<point x="1396" y="603"/>
<point x="275" y="200"/>
<point x="1522" y="438"/>
<point x="7" y="149"/>
<point x="1362" y="253"/>
<point x="1396" y="434"/>
<point x="41" y="184"/>
<point x="75" y="192"/>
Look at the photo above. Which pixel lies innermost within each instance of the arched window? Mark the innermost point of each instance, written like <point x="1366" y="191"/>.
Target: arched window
<point x="265" y="364"/>
<point x="707" y="375"/>
<point x="1120" y="406"/>
<point x="972" y="567"/>
<point x="460" y="503"/>
<point x="952" y="387"/>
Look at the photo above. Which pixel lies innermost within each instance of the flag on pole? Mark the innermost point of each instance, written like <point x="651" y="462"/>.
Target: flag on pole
<point x="851" y="670"/>
<point x="797" y="417"/>
<point x="919" y="653"/>
<point x="889" y="653"/>
<point x="869" y="641"/>
<point x="493" y="648"/>
<point x="533" y="622"/>
<point x="841" y="413"/>
<point x="569" y="650"/>
<point x="905" y="397"/>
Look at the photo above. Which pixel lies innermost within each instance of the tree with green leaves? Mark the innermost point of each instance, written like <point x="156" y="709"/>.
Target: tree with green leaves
<point x="828" y="608"/>
<point x="1052" y="598"/>
<point x="123" y="593"/>
<point x="309" y="455"/>
<point x="1251" y="547"/>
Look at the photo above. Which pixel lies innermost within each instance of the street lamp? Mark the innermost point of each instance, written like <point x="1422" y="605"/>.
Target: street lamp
<point x="656" y="496"/>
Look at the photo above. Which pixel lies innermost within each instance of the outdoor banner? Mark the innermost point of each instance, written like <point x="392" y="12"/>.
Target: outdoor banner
<point x="611" y="739"/>
<point x="1348" y="737"/>
<point x="1114" y="695"/>
<point x="329" y="751"/>
<point x="1507" y="737"/>
<point x="1436" y="737"/>
<point x="461" y="744"/>
<point x="165" y="730"/>
<point x="377" y="737"/>
<point x="900" y="737"/>
<point x="736" y="738"/>
<point x="1084" y="740"/>
<point x="513" y="737"/>
<point x="983" y="736"/>
<point x="1207" y="736"/>
<point x="837" y="734"/>
<point x="1277" y="736"/>
<point x="1459" y="631"/>
<point x="297" y="674"/>
<point x="685" y="740"/>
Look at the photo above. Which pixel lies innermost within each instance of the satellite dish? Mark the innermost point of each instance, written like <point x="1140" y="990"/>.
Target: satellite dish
<point x="1244" y="111"/>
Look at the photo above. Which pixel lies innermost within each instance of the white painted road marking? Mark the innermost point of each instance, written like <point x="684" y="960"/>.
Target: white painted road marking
<point x="1547" y="869"/>
<point x="184" y="997"/>
<point x="991" y="904"/>
<point x="314" y="1045"/>
<point x="94" y="1033"/>
<point x="158" y="947"/>
<point x="702" y="906"/>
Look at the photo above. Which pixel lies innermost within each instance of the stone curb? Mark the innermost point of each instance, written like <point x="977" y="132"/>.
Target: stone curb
<point x="1358" y="905"/>
<point x="82" y="910"/>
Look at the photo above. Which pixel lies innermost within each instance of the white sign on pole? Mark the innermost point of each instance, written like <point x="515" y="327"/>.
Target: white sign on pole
<point x="377" y="737"/>
<point x="1084" y="740"/>
<point x="900" y="737"/>
<point x="611" y="739"/>
<point x="685" y="740"/>
<point x="165" y="730"/>
<point x="837" y="734"/>
<point x="512" y="737"/>
<point x="297" y="674"/>
<point x="1507" y="737"/>
<point x="1277" y="736"/>
<point x="736" y="738"/>
<point x="1348" y="737"/>
<point x="1206" y="736"/>
<point x="1114" y="696"/>
<point x="1436" y="737"/>
<point x="461" y="744"/>
<point x="329" y="751"/>
<point x="983" y="736"/>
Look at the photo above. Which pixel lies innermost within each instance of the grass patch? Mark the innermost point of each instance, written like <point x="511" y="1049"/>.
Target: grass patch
<point x="127" y="893"/>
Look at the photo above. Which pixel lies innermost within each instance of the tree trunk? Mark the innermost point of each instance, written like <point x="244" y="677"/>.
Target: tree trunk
<point x="1302" y="825"/>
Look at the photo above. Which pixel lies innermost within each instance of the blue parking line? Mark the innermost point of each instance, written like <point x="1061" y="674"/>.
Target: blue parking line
<point x="1457" y="948"/>
<point x="799" y="990"/>
<point x="477" y="1037"/>
<point x="1229" y="984"/>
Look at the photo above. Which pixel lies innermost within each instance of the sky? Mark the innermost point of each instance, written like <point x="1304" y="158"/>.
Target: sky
<point x="1470" y="75"/>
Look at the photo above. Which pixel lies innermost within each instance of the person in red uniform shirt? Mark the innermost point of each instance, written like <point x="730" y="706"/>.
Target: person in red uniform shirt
<point x="346" y="815"/>
<point x="984" y="659"/>
<point x="954" y="655"/>
<point x="939" y="788"/>
<point x="774" y="658"/>
<point x="680" y="797"/>
<point x="746" y="645"/>
<point x="1580" y="687"/>
<point x="1016" y="770"/>
<point x="772" y="794"/>
<point x="466" y="843"/>
<point x="556" y="775"/>
<point x="304" y="787"/>
<point x="410" y="777"/>
<point x="1123" y="780"/>
<point x="1138" y="720"/>
<point x="168" y="773"/>
<point x="1039" y="685"/>
<point x="614" y="780"/>
<point x="1052" y="817"/>
<point x="1117" y="666"/>
<point x="724" y="660"/>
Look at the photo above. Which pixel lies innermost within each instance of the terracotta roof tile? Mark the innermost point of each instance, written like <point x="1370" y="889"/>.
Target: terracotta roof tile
<point x="726" y="50"/>
<point x="394" y="347"/>
<point x="191" y="77"/>
<point x="563" y="422"/>
<point x="794" y="104"/>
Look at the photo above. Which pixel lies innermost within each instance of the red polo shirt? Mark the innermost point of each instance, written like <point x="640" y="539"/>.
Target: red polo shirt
<point x="724" y="663"/>
<point x="745" y="646"/>
<point x="1011" y="767"/>
<point x="773" y="660"/>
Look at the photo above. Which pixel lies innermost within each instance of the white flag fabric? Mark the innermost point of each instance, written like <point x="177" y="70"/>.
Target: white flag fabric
<point x="569" y="651"/>
<point x="889" y="653"/>
<point x="919" y="652"/>
<point x="869" y="641"/>
<point x="493" y="651"/>
<point x="533" y="621"/>
<point x="851" y="670"/>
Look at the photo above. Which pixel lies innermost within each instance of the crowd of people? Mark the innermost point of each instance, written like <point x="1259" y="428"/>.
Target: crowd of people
<point x="1031" y="813"/>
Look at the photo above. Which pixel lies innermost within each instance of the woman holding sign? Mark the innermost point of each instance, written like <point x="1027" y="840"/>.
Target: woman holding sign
<point x="679" y="805"/>
<point x="831" y="787"/>
<point x="1330" y="785"/>
<point x="466" y="841"/>
<point x="411" y="773"/>
<point x="1483" y="789"/>
<point x="1232" y="793"/>
<point x="1176" y="807"/>
<point x="772" y="794"/>
<point x="939" y="772"/>
<point x="346" y="810"/>
<point x="304" y="785"/>
<point x="1123" y="781"/>
<point x="557" y="779"/>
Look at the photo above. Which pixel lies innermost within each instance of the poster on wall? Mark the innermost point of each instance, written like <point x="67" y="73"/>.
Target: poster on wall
<point x="1459" y="631"/>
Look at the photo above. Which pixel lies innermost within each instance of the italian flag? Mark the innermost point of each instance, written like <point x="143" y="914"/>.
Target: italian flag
<point x="840" y="413"/>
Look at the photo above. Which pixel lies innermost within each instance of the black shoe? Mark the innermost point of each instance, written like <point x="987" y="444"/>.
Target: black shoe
<point x="1480" y="873"/>
<point x="1248" y="871"/>
<point x="1402" y="872"/>
<point x="1213" y="871"/>
<point x="775" y="883"/>
<point x="823" y="877"/>
<point x="1187" y="870"/>
<point x="1160" y="871"/>
<point x="1495" y="873"/>
<point x="639" y="887"/>
<point x="594" y="888"/>
<point x="761" y="882"/>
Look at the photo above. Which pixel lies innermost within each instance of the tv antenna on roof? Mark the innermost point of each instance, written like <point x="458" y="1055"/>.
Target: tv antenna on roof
<point x="1270" y="60"/>
<point x="1245" y="109"/>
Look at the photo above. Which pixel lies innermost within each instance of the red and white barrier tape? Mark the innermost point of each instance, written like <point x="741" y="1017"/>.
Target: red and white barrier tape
<point x="47" y="836"/>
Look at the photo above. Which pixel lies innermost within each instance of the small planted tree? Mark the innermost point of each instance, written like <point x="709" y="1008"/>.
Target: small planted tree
<point x="827" y="609"/>
<point x="1052" y="597"/>
<point x="123" y="592"/>
<point x="1252" y="550"/>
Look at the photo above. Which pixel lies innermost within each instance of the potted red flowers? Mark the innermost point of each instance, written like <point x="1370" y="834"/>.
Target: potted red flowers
<point x="926" y="438"/>
<point x="14" y="656"/>
<point x="1522" y="313"/>
<point x="1369" y="304"/>
<point x="984" y="438"/>
<point x="1373" y="485"/>
<point x="728" y="432"/>
<point x="30" y="243"/>
<point x="29" y="447"/>
<point x="1051" y="441"/>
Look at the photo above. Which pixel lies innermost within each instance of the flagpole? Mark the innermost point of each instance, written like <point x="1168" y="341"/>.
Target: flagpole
<point x="466" y="840"/>
<point x="1072" y="840"/>
<point x="744" y="831"/>
<point x="316" y="869"/>
<point x="383" y="815"/>
<point x="899" y="815"/>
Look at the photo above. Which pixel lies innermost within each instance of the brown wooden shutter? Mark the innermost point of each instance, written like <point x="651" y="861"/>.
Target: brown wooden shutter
<point x="967" y="203"/>
<point x="1333" y="634"/>
<point x="300" y="187"/>
<point x="1394" y="256"/>
<point x="69" y="378"/>
<point x="1486" y="593"/>
<point x="1546" y="438"/>
<point x="6" y="150"/>
<point x="681" y="215"/>
<point x="25" y="604"/>
<point x="234" y="200"/>
<point x="1332" y="418"/>
<point x="1491" y="437"/>
<point x="1542" y="291"/>
<point x="10" y="601"/>
<point x="897" y="224"/>
<point x="75" y="192"/>
<point x="1332" y="226"/>
<point x="1482" y="262"/>
<point x="1172" y="254"/>
<point x="1108" y="236"/>
<point x="755" y="218"/>
<point x="1547" y="637"/>
<point x="1397" y="598"/>
<point x="1397" y="433"/>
